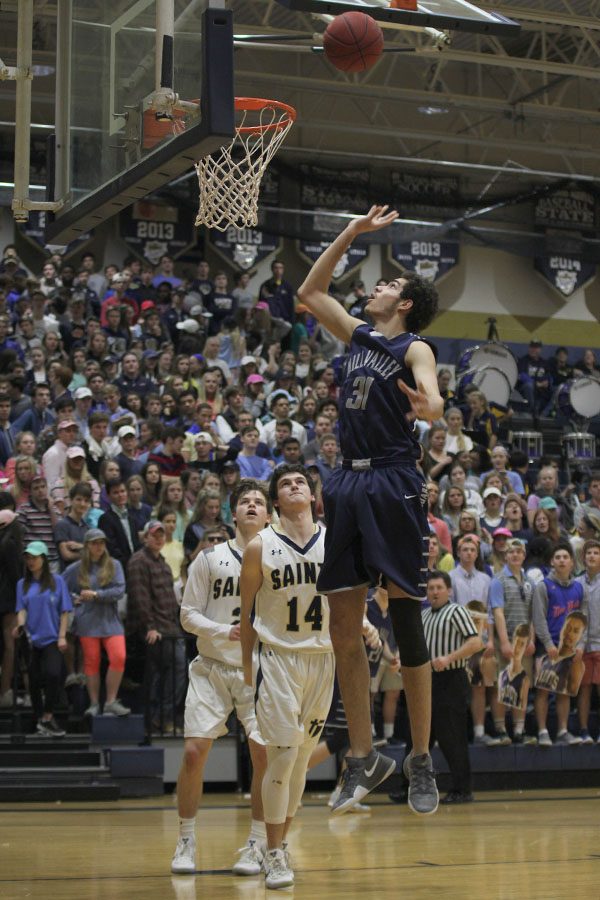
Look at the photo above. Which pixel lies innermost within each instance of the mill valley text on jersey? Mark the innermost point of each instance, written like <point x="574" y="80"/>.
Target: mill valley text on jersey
<point x="374" y="424"/>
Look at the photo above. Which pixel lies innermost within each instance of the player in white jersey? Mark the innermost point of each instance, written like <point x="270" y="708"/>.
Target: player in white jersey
<point x="211" y="610"/>
<point x="295" y="659"/>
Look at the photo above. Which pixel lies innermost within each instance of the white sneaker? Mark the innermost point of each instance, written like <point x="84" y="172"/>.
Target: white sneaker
<point x="279" y="874"/>
<point x="184" y="858"/>
<point x="360" y="808"/>
<point x="334" y="796"/>
<point x="250" y="860"/>
<point x="544" y="739"/>
<point x="566" y="738"/>
<point x="6" y="699"/>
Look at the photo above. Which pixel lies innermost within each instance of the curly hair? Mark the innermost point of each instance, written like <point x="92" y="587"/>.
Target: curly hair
<point x="425" y="301"/>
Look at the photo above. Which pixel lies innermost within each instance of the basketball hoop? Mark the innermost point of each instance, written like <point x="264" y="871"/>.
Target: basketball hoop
<point x="230" y="179"/>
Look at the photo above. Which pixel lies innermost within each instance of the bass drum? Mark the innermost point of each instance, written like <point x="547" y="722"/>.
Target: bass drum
<point x="493" y="355"/>
<point x="492" y="383"/>
<point x="579" y="397"/>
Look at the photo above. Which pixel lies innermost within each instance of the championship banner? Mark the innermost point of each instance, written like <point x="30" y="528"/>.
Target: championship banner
<point x="426" y="194"/>
<point x="564" y="674"/>
<point x="431" y="260"/>
<point x="350" y="260"/>
<point x="34" y="230"/>
<point x="574" y="209"/>
<point x="566" y="274"/>
<point x="152" y="229"/>
<point x="244" y="247"/>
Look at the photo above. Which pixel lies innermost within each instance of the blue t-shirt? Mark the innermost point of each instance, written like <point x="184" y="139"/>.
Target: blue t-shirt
<point x="44" y="609"/>
<point x="562" y="600"/>
<point x="254" y="467"/>
<point x="373" y="409"/>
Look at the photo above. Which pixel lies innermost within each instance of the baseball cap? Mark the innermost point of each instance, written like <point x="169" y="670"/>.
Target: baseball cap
<point x="204" y="436"/>
<point x="37" y="548"/>
<point x="74" y="452"/>
<point x="117" y="279"/>
<point x="548" y="503"/>
<point x="255" y="379"/>
<point x="147" y="304"/>
<point x="535" y="343"/>
<point x="6" y="517"/>
<point x="94" y="534"/>
<point x="189" y="325"/>
<point x="492" y="491"/>
<point x="231" y="464"/>
<point x="125" y="430"/>
<point x="81" y="393"/>
<point x="284" y="373"/>
<point x="150" y="354"/>
<point x="66" y="423"/>
<point x="246" y="360"/>
<point x="196" y="310"/>
<point x="261" y="305"/>
<point x="152" y="526"/>
<point x="502" y="532"/>
<point x="515" y="542"/>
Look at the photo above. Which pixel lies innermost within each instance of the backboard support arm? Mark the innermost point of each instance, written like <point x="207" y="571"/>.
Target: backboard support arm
<point x="22" y="203"/>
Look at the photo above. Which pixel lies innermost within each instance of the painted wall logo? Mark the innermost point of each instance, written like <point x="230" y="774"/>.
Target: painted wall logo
<point x="566" y="274"/>
<point x="429" y="259"/>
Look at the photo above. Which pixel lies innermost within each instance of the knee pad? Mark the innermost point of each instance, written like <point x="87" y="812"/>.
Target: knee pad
<point x="405" y="614"/>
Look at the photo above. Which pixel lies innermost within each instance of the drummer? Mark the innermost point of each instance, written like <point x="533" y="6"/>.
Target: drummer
<point x="534" y="380"/>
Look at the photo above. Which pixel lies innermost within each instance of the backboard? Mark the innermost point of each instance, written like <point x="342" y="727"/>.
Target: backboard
<point x="118" y="135"/>
<point x="444" y="15"/>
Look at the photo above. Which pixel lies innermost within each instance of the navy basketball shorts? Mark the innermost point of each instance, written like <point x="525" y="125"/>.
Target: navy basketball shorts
<point x="377" y="528"/>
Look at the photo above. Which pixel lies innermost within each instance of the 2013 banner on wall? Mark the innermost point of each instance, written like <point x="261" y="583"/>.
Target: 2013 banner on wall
<point x="431" y="260"/>
<point x="152" y="230"/>
<point x="34" y="230"/>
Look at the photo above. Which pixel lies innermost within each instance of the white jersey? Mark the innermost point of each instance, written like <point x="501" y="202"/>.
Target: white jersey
<point x="289" y="612"/>
<point x="211" y="602"/>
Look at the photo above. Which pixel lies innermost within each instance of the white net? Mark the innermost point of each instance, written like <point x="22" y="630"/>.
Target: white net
<point x="230" y="178"/>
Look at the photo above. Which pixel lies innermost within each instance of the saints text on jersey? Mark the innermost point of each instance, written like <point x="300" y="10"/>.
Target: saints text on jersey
<point x="297" y="573"/>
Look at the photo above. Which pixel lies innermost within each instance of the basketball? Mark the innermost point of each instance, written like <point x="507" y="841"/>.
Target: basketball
<point x="353" y="42"/>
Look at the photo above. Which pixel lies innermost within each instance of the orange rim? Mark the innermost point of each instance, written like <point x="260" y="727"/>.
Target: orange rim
<point x="256" y="104"/>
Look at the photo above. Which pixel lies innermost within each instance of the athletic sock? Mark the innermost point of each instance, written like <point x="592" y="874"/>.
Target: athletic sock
<point x="388" y="730"/>
<point x="518" y="727"/>
<point x="478" y="730"/>
<point x="499" y="725"/>
<point x="187" y="828"/>
<point x="258" y="832"/>
<point x="562" y="731"/>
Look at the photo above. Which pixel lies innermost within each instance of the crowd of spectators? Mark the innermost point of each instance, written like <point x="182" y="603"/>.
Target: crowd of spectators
<point x="133" y="400"/>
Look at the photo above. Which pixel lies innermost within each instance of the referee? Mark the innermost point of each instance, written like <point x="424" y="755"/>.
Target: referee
<point x="451" y="638"/>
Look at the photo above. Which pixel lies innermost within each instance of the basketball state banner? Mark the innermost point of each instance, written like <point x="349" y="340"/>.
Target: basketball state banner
<point x="152" y="230"/>
<point x="565" y="274"/>
<point x="244" y="248"/>
<point x="431" y="260"/>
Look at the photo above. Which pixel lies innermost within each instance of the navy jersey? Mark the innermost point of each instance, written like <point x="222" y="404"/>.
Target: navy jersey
<point x="373" y="409"/>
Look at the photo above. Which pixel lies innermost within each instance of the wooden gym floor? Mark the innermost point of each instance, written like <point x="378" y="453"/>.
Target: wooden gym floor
<point x="539" y="844"/>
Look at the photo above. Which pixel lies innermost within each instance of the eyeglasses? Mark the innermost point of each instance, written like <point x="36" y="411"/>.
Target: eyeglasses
<point x="214" y="540"/>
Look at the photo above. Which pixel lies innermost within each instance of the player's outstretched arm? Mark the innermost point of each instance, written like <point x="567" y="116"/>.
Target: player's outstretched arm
<point x="250" y="581"/>
<point x="313" y="292"/>
<point x="425" y="401"/>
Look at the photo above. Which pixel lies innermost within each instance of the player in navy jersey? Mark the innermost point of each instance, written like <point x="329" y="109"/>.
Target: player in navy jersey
<point x="375" y="503"/>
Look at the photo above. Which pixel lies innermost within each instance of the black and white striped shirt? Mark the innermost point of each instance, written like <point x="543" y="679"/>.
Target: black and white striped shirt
<point x="446" y="630"/>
